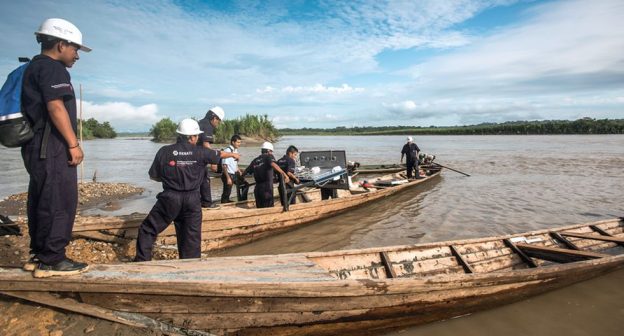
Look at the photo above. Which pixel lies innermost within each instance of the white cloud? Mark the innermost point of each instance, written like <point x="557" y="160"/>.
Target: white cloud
<point x="567" y="44"/>
<point x="113" y="92"/>
<point x="299" y="121"/>
<point x="122" y="115"/>
<point x="314" y="89"/>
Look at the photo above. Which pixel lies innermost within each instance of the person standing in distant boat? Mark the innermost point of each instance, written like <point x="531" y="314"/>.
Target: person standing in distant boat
<point x="410" y="151"/>
<point x="211" y="121"/>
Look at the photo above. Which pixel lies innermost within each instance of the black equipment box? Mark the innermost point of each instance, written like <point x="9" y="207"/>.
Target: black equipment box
<point x="325" y="169"/>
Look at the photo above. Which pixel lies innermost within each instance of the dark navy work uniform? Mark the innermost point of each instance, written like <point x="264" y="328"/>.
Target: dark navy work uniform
<point x="207" y="136"/>
<point x="288" y="165"/>
<point x="263" y="174"/>
<point x="411" y="157"/>
<point x="52" y="188"/>
<point x="180" y="167"/>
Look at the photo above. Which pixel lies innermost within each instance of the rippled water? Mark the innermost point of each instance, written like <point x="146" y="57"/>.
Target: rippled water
<point x="517" y="183"/>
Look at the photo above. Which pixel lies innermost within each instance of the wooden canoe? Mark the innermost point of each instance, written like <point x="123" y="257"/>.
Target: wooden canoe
<point x="240" y="223"/>
<point x="374" y="169"/>
<point x="332" y="293"/>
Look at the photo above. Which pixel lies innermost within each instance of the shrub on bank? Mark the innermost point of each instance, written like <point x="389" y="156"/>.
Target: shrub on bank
<point x="164" y="131"/>
<point x="92" y="129"/>
<point x="253" y="126"/>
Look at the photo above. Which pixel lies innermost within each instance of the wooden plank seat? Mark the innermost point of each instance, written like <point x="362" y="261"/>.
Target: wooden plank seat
<point x="519" y="252"/>
<point x="461" y="260"/>
<point x="558" y="254"/>
<point x="608" y="238"/>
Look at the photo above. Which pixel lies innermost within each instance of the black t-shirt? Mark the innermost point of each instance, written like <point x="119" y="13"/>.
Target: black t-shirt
<point x="46" y="79"/>
<point x="262" y="169"/>
<point x="180" y="166"/>
<point x="208" y="129"/>
<point x="411" y="151"/>
<point x="287" y="164"/>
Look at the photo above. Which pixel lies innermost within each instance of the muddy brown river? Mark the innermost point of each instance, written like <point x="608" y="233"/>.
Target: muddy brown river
<point x="517" y="183"/>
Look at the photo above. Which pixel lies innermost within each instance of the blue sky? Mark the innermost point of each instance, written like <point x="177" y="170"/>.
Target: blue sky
<point x="337" y="63"/>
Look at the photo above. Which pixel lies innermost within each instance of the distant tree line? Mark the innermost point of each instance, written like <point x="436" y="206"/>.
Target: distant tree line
<point x="252" y="126"/>
<point x="580" y="126"/>
<point x="93" y="129"/>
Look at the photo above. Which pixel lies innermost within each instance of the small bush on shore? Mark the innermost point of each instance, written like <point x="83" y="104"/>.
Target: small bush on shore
<point x="164" y="131"/>
<point x="253" y="126"/>
<point x="92" y="129"/>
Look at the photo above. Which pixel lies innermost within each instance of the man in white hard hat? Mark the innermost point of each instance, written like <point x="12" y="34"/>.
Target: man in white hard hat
<point x="208" y="124"/>
<point x="410" y="151"/>
<point x="51" y="157"/>
<point x="180" y="168"/>
<point x="263" y="168"/>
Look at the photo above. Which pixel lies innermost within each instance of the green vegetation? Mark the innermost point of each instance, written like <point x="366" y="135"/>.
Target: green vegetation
<point x="164" y="131"/>
<point x="580" y="126"/>
<point x="252" y="126"/>
<point x="92" y="129"/>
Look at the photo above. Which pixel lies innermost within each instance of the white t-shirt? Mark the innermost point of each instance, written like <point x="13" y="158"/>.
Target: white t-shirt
<point x="232" y="165"/>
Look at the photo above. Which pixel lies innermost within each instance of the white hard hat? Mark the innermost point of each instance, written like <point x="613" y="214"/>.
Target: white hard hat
<point x="267" y="145"/>
<point x="410" y="139"/>
<point x="188" y="127"/>
<point x="63" y="30"/>
<point x="218" y="111"/>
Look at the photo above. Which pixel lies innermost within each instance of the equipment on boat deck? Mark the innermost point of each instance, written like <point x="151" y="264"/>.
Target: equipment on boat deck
<point x="321" y="169"/>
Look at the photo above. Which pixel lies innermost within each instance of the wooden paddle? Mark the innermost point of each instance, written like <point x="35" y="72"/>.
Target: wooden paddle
<point x="449" y="168"/>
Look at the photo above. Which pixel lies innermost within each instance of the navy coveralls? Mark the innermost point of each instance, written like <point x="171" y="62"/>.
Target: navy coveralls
<point x="207" y="136"/>
<point x="411" y="157"/>
<point x="180" y="167"/>
<point x="52" y="188"/>
<point x="263" y="174"/>
<point x="288" y="165"/>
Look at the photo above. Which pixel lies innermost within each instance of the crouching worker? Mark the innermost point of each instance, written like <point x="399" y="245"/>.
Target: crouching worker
<point x="179" y="167"/>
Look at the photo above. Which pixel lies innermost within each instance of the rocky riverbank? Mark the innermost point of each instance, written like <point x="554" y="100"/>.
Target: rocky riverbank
<point x="90" y="195"/>
<point x="18" y="317"/>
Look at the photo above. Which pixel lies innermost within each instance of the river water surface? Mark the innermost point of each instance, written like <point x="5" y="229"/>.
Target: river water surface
<point x="517" y="183"/>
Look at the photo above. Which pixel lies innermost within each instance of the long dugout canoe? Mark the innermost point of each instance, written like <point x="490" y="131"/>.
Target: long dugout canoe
<point x="235" y="224"/>
<point x="332" y="293"/>
<point x="384" y="168"/>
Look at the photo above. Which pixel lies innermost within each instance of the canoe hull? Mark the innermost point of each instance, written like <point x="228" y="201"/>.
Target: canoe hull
<point x="340" y="292"/>
<point x="234" y="225"/>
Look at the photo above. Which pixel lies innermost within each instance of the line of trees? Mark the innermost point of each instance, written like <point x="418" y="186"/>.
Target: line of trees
<point x="253" y="126"/>
<point x="93" y="129"/>
<point x="580" y="126"/>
